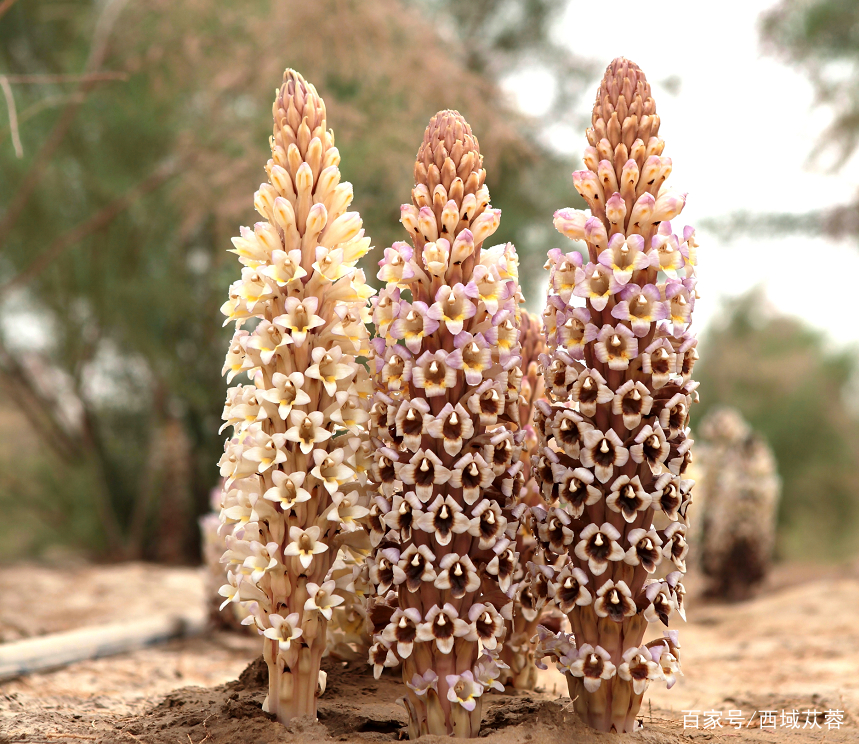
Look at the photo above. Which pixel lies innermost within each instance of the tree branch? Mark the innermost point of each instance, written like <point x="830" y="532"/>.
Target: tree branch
<point x="92" y="77"/>
<point x="13" y="116"/>
<point x="98" y="50"/>
<point x="5" y="5"/>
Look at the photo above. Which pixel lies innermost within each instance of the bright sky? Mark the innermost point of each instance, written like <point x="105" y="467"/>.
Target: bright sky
<point x="739" y="130"/>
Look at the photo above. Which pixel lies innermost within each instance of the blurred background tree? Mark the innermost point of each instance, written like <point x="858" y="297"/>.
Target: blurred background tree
<point x="797" y="393"/>
<point x="143" y="129"/>
<point x="820" y="37"/>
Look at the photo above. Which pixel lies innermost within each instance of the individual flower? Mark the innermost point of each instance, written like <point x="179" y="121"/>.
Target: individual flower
<point x="411" y="419"/>
<point x="661" y="603"/>
<point x="421" y="684"/>
<point x="627" y="497"/>
<point x="405" y="509"/>
<point x="624" y="256"/>
<point x="675" y="547"/>
<point x="487" y="623"/>
<point x="593" y="665"/>
<point x="433" y="374"/>
<point x="443" y="518"/>
<point x="402" y="630"/>
<point x="413" y="325"/>
<point x="614" y="600"/>
<point x="463" y="689"/>
<point x="597" y="546"/>
<point x="330" y="470"/>
<point x="590" y="390"/>
<point x="424" y="471"/>
<point x="571" y="589"/>
<point x="632" y="400"/>
<point x="616" y="346"/>
<point x="452" y="425"/>
<point x="650" y="447"/>
<point x="287" y="489"/>
<point x="472" y="474"/>
<point x="639" y="668"/>
<point x="569" y="429"/>
<point x="458" y="575"/>
<point x="442" y="625"/>
<point x="414" y="567"/>
<point x="641" y="306"/>
<point x="322" y="599"/>
<point x="487" y="402"/>
<point x="381" y="656"/>
<point x="304" y="544"/>
<point x="284" y="630"/>
<point x="328" y="368"/>
<point x="472" y="355"/>
<point x="299" y="318"/>
<point x="287" y="391"/>
<point x="596" y="283"/>
<point x="644" y="549"/>
<point x="487" y="523"/>
<point x="453" y="306"/>
<point x="266" y="450"/>
<point x="603" y="451"/>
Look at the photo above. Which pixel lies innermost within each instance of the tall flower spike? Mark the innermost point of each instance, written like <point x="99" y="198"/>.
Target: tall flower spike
<point x="294" y="467"/>
<point x="445" y="435"/>
<point x="613" y="437"/>
<point x="519" y="652"/>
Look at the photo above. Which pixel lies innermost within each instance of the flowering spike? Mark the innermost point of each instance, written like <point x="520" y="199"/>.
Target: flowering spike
<point x="444" y="427"/>
<point x="613" y="437"/>
<point x="294" y="467"/>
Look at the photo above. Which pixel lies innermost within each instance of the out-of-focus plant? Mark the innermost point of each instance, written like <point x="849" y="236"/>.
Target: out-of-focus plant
<point x="798" y="394"/>
<point x="519" y="648"/>
<point x="444" y="431"/>
<point x="736" y="495"/>
<point x="293" y="467"/>
<point x="614" y="440"/>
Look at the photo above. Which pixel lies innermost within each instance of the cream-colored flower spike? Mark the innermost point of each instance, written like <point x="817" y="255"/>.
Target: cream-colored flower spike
<point x="614" y="437"/>
<point x="294" y="467"/>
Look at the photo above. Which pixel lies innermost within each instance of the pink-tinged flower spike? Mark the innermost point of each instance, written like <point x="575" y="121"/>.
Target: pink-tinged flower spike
<point x="612" y="438"/>
<point x="448" y="432"/>
<point x="295" y="468"/>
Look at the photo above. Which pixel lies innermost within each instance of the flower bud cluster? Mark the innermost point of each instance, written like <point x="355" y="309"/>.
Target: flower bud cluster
<point x="445" y="439"/>
<point x="295" y="465"/>
<point x="614" y="437"/>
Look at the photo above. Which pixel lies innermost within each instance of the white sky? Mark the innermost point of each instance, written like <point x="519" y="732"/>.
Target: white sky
<point x="739" y="130"/>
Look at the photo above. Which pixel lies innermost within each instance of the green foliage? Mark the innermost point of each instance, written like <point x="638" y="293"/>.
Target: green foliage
<point x="779" y="374"/>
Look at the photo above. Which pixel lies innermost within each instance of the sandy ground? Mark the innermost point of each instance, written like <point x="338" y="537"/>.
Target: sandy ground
<point x="793" y="647"/>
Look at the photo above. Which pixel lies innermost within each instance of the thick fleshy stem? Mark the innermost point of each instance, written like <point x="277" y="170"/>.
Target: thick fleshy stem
<point x="614" y="442"/>
<point x="444" y="430"/>
<point x="295" y="467"/>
